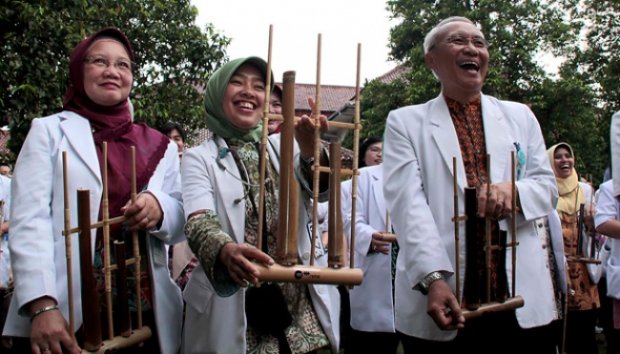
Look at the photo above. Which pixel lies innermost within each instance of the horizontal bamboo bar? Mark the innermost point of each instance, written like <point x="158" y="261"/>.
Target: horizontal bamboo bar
<point x="343" y="172"/>
<point x="98" y="224"/>
<point x="112" y="345"/>
<point x="310" y="275"/>
<point x="586" y="260"/>
<point x="330" y="124"/>
<point x="510" y="304"/>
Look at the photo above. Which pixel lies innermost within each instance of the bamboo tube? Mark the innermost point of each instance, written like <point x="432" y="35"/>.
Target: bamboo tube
<point x="286" y="252"/>
<point x="471" y="292"/>
<point x="310" y="274"/>
<point x="335" y="252"/>
<point x="456" y="219"/>
<point x="65" y="182"/>
<point x="510" y="304"/>
<point x="316" y="115"/>
<point x="136" y="242"/>
<point x="356" y="147"/>
<point x="487" y="235"/>
<point x="106" y="243"/>
<point x="90" y="298"/>
<point x="263" y="146"/>
<point x="122" y="298"/>
<point x="113" y="345"/>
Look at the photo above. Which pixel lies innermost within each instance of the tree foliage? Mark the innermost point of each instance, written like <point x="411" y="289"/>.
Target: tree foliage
<point x="173" y="57"/>
<point x="570" y="105"/>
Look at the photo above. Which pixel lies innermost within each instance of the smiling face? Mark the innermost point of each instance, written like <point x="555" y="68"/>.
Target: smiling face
<point x="373" y="154"/>
<point x="175" y="136"/>
<point x="107" y="85"/>
<point x="244" y="97"/>
<point x="460" y="59"/>
<point x="275" y="107"/>
<point x="563" y="161"/>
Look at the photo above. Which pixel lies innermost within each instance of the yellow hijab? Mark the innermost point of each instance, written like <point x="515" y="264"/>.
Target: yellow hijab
<point x="571" y="196"/>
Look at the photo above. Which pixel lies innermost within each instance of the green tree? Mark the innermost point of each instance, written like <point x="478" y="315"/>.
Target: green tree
<point x="174" y="57"/>
<point x="518" y="31"/>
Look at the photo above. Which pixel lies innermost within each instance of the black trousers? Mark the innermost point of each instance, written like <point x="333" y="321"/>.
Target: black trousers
<point x="372" y="342"/>
<point x="490" y="334"/>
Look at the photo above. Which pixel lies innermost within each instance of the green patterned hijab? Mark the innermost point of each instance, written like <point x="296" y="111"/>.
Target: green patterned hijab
<point x="217" y="121"/>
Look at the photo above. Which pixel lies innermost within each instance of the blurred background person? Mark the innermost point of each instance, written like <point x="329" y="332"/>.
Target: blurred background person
<point x="583" y="298"/>
<point x="176" y="133"/>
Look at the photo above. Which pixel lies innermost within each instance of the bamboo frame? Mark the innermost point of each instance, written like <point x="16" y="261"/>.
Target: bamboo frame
<point x="488" y="306"/>
<point x="286" y="269"/>
<point x="129" y="337"/>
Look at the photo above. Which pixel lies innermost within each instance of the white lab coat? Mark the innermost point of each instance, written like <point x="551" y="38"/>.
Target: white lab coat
<point x="420" y="143"/>
<point x="37" y="245"/>
<point x="216" y="324"/>
<point x="372" y="307"/>
<point x="607" y="208"/>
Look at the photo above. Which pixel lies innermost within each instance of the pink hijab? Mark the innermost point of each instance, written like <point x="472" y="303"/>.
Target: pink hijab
<point x="114" y="125"/>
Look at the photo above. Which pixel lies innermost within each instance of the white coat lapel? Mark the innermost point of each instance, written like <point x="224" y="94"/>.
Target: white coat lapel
<point x="445" y="138"/>
<point x="377" y="191"/>
<point x="78" y="132"/>
<point x="228" y="185"/>
<point x="497" y="141"/>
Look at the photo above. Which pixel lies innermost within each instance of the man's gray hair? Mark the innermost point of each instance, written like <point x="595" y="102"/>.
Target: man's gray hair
<point x="430" y="40"/>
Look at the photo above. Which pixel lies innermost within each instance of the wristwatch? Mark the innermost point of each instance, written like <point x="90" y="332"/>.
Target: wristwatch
<point x="429" y="279"/>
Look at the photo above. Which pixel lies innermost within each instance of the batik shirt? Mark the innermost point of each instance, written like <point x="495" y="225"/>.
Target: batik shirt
<point x="206" y="238"/>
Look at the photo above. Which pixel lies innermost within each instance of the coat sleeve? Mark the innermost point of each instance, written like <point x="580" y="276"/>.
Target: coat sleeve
<point x="536" y="186"/>
<point x="165" y="185"/>
<point x="614" y="139"/>
<point x="32" y="235"/>
<point x="421" y="246"/>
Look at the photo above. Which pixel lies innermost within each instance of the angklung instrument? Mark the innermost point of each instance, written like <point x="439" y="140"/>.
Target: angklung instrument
<point x="478" y="303"/>
<point x="126" y="336"/>
<point x="587" y="255"/>
<point x="287" y="268"/>
<point x="584" y="239"/>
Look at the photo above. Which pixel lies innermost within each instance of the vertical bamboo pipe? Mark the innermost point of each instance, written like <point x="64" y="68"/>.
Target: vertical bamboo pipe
<point x="286" y="252"/>
<point x="356" y="139"/>
<point x="90" y="298"/>
<point x="263" y="146"/>
<point x="122" y="298"/>
<point x="316" y="115"/>
<point x="487" y="235"/>
<point x="65" y="182"/>
<point x="136" y="242"/>
<point x="457" y="220"/>
<point x="105" y="208"/>
<point x="592" y="235"/>
<point x="513" y="226"/>
<point x="335" y="257"/>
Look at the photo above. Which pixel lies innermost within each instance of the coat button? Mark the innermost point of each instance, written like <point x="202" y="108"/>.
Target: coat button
<point x="306" y="256"/>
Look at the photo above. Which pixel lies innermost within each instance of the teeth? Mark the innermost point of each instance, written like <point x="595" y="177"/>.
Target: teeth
<point x="246" y="105"/>
<point x="470" y="63"/>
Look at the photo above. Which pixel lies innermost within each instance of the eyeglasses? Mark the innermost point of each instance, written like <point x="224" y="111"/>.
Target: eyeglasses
<point x="461" y="41"/>
<point x="122" y="65"/>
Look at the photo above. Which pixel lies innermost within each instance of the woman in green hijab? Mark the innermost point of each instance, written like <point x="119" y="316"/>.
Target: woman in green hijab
<point x="220" y="181"/>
